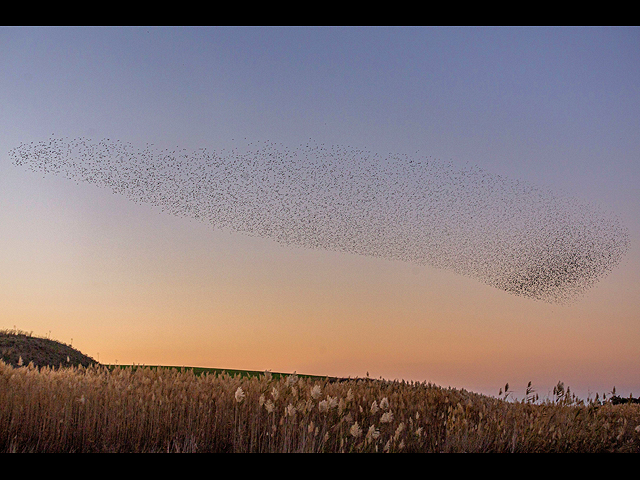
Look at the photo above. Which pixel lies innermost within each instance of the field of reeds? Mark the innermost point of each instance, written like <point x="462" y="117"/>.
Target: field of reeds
<point x="141" y="409"/>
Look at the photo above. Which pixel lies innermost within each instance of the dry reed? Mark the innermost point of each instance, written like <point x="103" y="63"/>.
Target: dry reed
<point x="97" y="409"/>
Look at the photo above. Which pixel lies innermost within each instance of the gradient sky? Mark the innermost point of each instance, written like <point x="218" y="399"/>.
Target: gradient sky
<point x="126" y="283"/>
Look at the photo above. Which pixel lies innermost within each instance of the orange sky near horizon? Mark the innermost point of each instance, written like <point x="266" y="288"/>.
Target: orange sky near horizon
<point x="156" y="289"/>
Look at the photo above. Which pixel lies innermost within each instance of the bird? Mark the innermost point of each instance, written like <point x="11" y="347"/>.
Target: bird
<point x="509" y="234"/>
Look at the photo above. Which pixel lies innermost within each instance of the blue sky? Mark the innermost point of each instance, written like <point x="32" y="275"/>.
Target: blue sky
<point x="556" y="107"/>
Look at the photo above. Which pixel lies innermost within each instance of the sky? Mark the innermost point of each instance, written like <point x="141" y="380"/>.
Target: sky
<point x="127" y="282"/>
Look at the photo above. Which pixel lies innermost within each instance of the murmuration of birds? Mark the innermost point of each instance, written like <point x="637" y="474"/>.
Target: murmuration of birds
<point x="522" y="239"/>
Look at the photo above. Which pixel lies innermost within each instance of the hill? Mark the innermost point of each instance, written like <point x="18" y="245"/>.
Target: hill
<point x="21" y="348"/>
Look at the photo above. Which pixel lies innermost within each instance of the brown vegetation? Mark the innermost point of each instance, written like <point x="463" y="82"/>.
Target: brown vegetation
<point x="100" y="409"/>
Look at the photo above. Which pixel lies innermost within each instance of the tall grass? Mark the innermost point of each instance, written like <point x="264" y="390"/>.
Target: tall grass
<point x="97" y="409"/>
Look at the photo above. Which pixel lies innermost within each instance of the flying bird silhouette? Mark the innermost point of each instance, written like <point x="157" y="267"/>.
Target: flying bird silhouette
<point x="514" y="236"/>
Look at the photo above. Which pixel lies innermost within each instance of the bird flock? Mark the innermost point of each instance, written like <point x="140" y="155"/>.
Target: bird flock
<point x="514" y="236"/>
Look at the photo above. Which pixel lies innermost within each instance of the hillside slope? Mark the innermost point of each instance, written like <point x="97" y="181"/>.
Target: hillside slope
<point x="21" y="348"/>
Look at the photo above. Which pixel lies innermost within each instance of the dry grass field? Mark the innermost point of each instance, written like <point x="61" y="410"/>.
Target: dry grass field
<point x="141" y="409"/>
